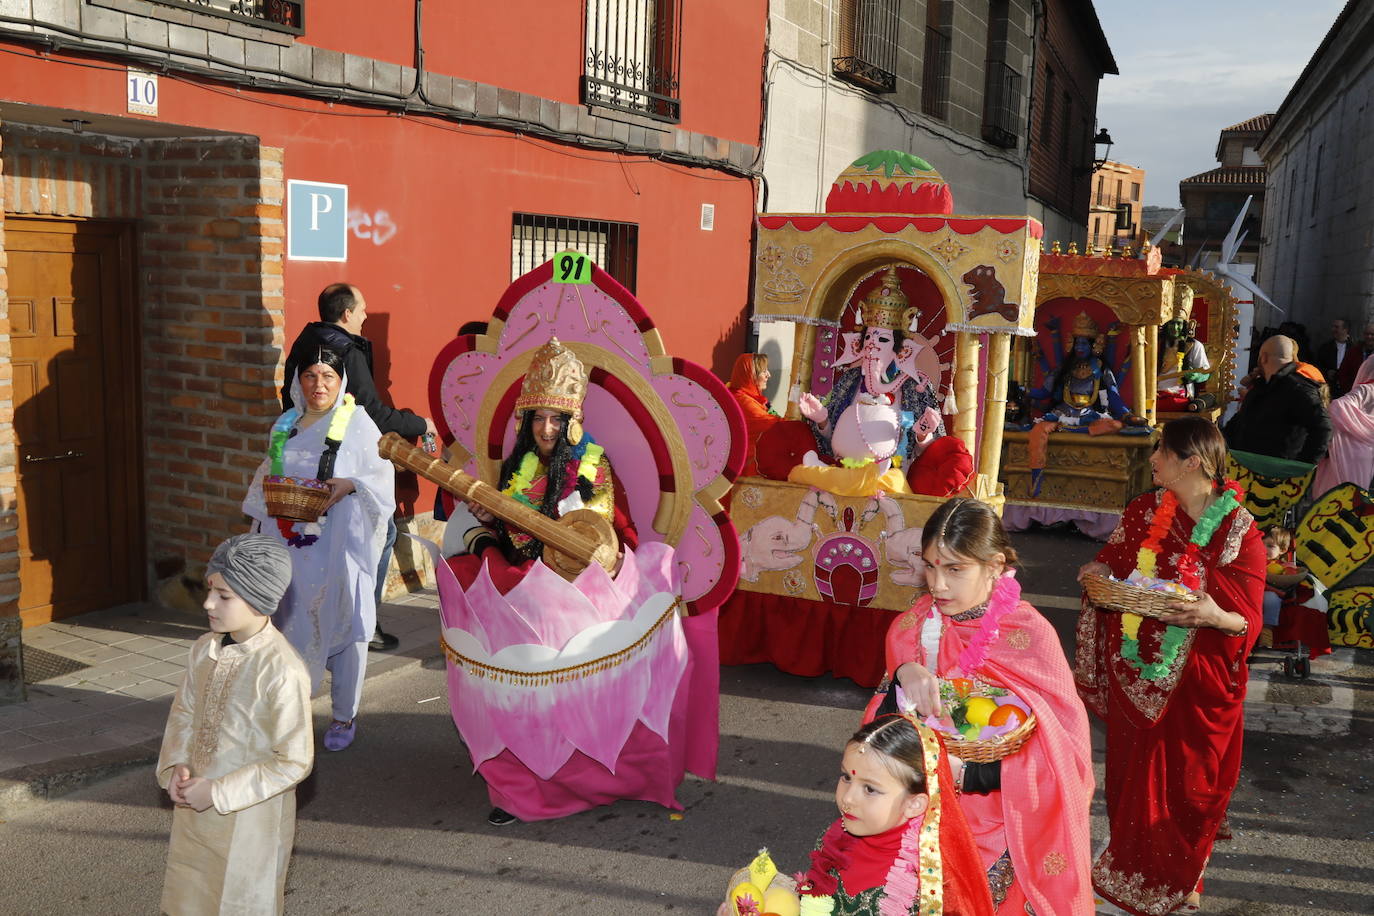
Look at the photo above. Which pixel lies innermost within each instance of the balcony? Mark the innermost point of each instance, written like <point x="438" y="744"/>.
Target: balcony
<point x="278" y="15"/>
<point x="868" y="44"/>
<point x="1002" y="105"/>
<point x="1105" y="200"/>
<point x="633" y="51"/>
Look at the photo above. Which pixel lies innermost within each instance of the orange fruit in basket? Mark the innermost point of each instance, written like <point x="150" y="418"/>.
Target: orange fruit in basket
<point x="1007" y="715"/>
<point x="962" y="686"/>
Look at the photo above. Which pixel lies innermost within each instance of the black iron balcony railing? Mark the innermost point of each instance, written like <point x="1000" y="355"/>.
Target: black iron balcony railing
<point x="935" y="73"/>
<point x="1105" y="200"/>
<point x="278" y="15"/>
<point x="633" y="51"/>
<point x="1002" y="105"/>
<point x="867" y="41"/>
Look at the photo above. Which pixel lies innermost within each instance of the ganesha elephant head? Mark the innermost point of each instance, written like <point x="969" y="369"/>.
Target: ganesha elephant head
<point x="775" y="543"/>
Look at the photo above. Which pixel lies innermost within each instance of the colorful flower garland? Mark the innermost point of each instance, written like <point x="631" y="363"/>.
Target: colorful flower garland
<point x="1005" y="596"/>
<point x="587" y="454"/>
<point x="1147" y="563"/>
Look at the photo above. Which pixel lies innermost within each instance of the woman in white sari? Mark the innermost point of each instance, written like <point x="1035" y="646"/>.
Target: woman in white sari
<point x="329" y="612"/>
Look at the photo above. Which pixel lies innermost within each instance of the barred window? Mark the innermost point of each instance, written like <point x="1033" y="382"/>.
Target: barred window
<point x="938" y="52"/>
<point x="633" y="52"/>
<point x="867" y="44"/>
<point x="1002" y="82"/>
<point x="535" y="238"/>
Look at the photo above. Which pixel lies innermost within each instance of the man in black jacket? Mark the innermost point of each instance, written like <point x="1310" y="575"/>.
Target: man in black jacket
<point x="1282" y="415"/>
<point x="342" y="313"/>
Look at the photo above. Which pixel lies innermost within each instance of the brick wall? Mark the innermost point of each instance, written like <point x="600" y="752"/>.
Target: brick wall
<point x="57" y="173"/>
<point x="213" y="319"/>
<point x="11" y="667"/>
<point x="211" y="312"/>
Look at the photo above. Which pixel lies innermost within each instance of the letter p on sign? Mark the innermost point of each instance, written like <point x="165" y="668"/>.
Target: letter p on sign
<point x="316" y="221"/>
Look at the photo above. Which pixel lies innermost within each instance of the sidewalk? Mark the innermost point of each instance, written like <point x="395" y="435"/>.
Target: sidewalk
<point x="100" y="685"/>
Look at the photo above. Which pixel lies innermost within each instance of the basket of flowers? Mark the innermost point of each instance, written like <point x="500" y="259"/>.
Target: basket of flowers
<point x="1137" y="594"/>
<point x="297" y="499"/>
<point x="981" y="722"/>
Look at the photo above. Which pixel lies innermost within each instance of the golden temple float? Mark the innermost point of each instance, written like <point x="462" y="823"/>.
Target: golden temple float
<point x="1088" y="479"/>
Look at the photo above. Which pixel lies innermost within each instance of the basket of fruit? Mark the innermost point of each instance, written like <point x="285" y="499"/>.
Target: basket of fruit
<point x="982" y="722"/>
<point x="1136" y="595"/>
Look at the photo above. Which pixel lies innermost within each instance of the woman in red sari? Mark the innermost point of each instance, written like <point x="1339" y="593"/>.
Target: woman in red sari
<point x="747" y="381"/>
<point x="1173" y="696"/>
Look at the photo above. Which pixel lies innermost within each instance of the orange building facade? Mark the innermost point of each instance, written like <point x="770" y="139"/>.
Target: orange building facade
<point x="155" y="244"/>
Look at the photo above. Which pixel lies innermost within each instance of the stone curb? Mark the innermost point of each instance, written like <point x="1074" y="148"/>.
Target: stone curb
<point x="27" y="786"/>
<point x="31" y="785"/>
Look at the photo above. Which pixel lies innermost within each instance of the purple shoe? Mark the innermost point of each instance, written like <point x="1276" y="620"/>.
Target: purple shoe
<point x="339" y="735"/>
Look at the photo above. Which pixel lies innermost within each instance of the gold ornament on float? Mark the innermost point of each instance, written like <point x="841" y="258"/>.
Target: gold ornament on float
<point x="887" y="306"/>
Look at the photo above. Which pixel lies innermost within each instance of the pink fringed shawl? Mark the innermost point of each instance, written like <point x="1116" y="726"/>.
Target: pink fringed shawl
<point x="1041" y="813"/>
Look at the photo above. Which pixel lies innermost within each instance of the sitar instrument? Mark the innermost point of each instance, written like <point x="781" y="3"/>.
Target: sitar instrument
<point x="571" y="543"/>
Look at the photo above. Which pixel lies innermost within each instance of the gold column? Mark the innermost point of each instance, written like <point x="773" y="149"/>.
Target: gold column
<point x="966" y="389"/>
<point x="1140" y="376"/>
<point x="1151" y="334"/>
<point x="994" y="407"/>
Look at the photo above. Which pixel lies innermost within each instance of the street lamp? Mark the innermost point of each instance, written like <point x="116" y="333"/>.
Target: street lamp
<point x="1102" y="147"/>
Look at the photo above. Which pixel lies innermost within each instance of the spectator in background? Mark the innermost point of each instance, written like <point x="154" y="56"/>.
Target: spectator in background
<point x="1297" y="331"/>
<point x="1282" y="415"/>
<point x="747" y="382"/>
<point x="1339" y="358"/>
<point x="1350" y="458"/>
<point x="342" y="313"/>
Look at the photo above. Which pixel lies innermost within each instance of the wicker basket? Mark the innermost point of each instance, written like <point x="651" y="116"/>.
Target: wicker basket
<point x="991" y="749"/>
<point x="1123" y="596"/>
<point x="298" y="499"/>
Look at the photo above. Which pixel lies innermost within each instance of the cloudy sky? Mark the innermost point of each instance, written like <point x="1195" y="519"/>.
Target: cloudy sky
<point x="1192" y="67"/>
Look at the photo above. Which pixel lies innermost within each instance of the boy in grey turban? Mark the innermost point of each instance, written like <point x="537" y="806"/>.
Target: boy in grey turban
<point x="238" y="741"/>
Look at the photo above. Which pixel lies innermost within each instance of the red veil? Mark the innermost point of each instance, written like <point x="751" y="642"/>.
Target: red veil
<point x="1174" y="743"/>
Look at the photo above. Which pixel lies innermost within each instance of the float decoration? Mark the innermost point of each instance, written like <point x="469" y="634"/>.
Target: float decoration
<point x="904" y="314"/>
<point x="1087" y="472"/>
<point x="580" y="686"/>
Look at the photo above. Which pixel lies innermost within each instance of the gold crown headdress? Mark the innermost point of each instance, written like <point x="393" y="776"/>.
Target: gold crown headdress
<point x="557" y="380"/>
<point x="1084" y="326"/>
<point x="887" y="306"/>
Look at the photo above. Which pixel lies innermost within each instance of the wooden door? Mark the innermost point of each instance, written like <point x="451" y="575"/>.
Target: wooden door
<point x="73" y="344"/>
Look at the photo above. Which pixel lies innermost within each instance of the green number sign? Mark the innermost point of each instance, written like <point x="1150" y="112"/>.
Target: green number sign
<point x="572" y="267"/>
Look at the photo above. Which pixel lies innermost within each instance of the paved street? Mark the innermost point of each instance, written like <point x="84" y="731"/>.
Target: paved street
<point x="397" y="823"/>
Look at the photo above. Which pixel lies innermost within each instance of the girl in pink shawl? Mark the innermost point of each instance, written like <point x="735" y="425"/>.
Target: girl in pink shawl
<point x="1350" y="456"/>
<point x="1029" y="811"/>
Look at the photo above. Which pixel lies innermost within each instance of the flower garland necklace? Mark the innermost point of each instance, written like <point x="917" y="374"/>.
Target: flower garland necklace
<point x="1147" y="563"/>
<point x="1004" y="598"/>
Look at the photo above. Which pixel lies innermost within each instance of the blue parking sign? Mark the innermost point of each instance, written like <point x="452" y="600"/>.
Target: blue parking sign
<point x="316" y="221"/>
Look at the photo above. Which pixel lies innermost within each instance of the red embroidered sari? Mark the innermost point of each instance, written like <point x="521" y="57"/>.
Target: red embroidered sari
<point x="1173" y="744"/>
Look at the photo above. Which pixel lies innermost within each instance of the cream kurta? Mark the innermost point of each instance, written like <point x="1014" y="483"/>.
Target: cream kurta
<point x="241" y="718"/>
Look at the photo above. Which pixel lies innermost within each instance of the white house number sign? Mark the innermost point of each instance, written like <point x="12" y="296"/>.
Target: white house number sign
<point x="140" y="91"/>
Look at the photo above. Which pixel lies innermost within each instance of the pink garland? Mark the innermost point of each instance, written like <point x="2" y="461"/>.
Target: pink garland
<point x="903" y="882"/>
<point x="1006" y="595"/>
